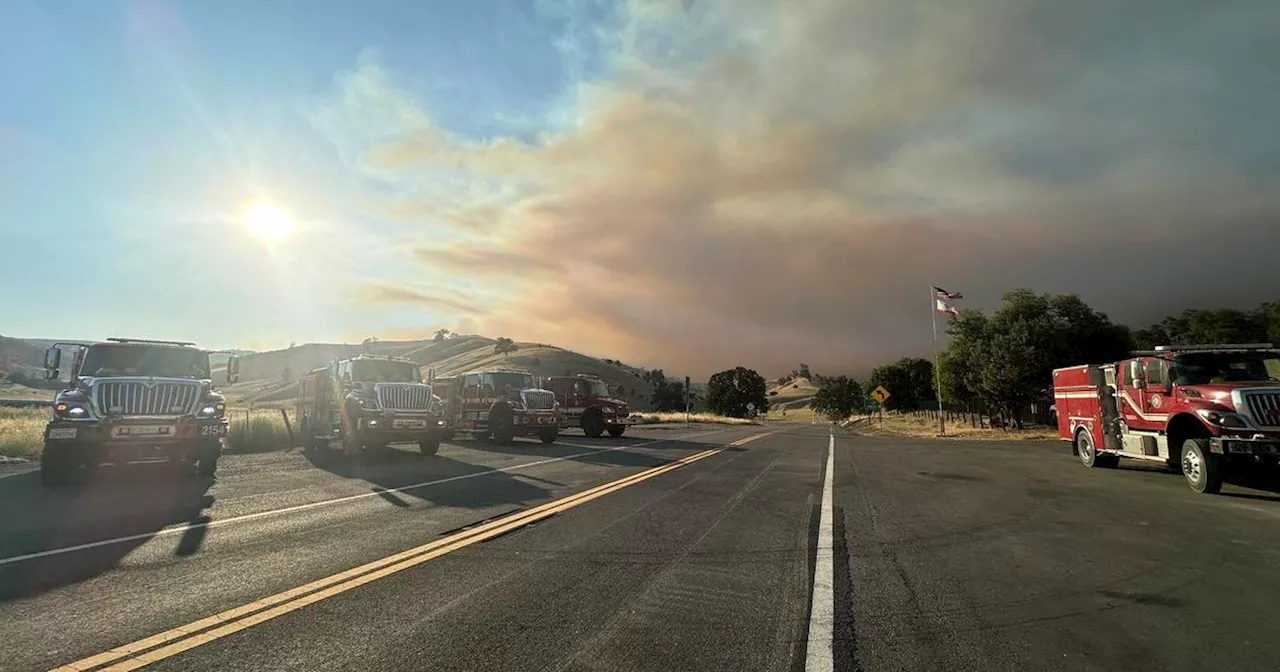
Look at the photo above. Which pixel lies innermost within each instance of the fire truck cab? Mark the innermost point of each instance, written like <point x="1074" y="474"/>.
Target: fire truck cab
<point x="369" y="402"/>
<point x="1200" y="409"/>
<point x="503" y="404"/>
<point x="587" y="404"/>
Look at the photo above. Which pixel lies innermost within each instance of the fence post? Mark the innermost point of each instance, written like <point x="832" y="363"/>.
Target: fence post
<point x="285" y="415"/>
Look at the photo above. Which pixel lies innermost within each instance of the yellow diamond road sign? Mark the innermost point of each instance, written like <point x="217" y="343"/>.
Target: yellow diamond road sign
<point x="880" y="394"/>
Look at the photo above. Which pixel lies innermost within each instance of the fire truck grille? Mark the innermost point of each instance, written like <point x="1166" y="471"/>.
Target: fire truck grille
<point x="538" y="400"/>
<point x="140" y="398"/>
<point x="404" y="397"/>
<point x="1264" y="407"/>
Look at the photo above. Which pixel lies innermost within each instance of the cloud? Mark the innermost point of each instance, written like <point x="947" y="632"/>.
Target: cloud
<point x="387" y="294"/>
<point x="759" y="183"/>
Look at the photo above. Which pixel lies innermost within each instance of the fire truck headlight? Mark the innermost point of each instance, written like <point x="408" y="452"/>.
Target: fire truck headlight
<point x="1227" y="420"/>
<point x="207" y="412"/>
<point x="609" y="410"/>
<point x="440" y="423"/>
<point x="368" y="403"/>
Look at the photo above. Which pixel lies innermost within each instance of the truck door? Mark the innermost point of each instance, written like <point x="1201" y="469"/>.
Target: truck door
<point x="1141" y="398"/>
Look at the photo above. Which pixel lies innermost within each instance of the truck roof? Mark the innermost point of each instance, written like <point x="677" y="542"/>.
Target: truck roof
<point x="381" y="358"/>
<point x="499" y="370"/>
<point x="588" y="376"/>
<point x="1216" y="347"/>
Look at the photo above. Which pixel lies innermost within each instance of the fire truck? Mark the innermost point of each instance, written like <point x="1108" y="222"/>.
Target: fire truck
<point x="587" y="404"/>
<point x="132" y="400"/>
<point x="1200" y="409"/>
<point x="502" y="404"/>
<point x="366" y="403"/>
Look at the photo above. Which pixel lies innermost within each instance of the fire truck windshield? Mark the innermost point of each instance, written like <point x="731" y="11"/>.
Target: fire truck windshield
<point x="597" y="388"/>
<point x="142" y="360"/>
<point x="1214" y="367"/>
<point x="508" y="382"/>
<point x="383" y="371"/>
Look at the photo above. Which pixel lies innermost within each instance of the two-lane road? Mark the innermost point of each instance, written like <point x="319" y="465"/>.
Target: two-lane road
<point x="670" y="549"/>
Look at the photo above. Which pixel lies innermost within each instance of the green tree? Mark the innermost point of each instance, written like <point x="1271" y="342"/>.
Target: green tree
<point x="729" y="392"/>
<point x="440" y="335"/>
<point x="909" y="381"/>
<point x="803" y="371"/>
<point x="669" y="396"/>
<point x="505" y="346"/>
<point x="1006" y="360"/>
<point x="838" y="398"/>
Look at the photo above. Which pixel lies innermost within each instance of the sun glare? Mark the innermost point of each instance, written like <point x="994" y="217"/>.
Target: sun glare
<point x="268" y="222"/>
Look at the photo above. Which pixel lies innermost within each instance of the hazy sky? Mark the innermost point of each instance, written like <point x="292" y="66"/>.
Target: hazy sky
<point x="679" y="184"/>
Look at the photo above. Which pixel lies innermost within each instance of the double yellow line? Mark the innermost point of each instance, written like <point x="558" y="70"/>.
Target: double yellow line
<point x="185" y="637"/>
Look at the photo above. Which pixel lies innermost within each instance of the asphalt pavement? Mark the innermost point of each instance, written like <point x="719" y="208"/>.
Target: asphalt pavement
<point x="670" y="549"/>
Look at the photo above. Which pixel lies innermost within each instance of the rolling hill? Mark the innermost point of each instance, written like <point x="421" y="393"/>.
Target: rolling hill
<point x="270" y="378"/>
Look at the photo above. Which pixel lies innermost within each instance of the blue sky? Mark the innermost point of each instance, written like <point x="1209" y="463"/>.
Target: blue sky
<point x="135" y="132"/>
<point x="692" y="184"/>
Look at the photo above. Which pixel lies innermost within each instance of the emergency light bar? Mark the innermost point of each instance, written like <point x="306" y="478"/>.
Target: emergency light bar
<point x="1215" y="346"/>
<point x="117" y="339"/>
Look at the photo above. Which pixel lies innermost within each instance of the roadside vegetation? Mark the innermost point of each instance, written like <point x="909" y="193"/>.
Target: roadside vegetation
<point x="922" y="426"/>
<point x="705" y="418"/>
<point x="252" y="431"/>
<point x="22" y="431"/>
<point x="257" y="431"/>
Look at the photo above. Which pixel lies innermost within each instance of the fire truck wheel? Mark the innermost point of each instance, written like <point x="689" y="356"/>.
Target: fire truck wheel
<point x="351" y="448"/>
<point x="429" y="445"/>
<point x="549" y="435"/>
<point x="1090" y="457"/>
<point x="592" y="424"/>
<point x="617" y="430"/>
<point x="207" y="458"/>
<point x="57" y="467"/>
<point x="503" y="433"/>
<point x="1201" y="468"/>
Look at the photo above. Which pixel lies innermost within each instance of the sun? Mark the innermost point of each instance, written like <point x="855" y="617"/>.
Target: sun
<point x="268" y="222"/>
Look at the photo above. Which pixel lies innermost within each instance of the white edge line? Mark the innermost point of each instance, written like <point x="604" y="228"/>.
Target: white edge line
<point x="819" y="656"/>
<point x="303" y="507"/>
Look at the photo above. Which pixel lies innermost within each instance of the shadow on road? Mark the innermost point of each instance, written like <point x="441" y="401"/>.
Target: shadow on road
<point x="128" y="503"/>
<point x="615" y="458"/>
<point x="444" y="481"/>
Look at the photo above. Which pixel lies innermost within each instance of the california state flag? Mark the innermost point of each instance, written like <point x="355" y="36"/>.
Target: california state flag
<point x="942" y="297"/>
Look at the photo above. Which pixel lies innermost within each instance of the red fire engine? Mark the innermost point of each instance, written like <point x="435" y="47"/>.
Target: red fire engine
<point x="1200" y="409"/>
<point x="500" y="403"/>
<point x="586" y="403"/>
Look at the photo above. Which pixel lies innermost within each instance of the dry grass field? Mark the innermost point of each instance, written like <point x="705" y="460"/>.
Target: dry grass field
<point x="895" y="424"/>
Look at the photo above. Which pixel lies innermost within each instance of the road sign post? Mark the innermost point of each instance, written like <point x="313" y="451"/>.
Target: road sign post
<point x="881" y="395"/>
<point x="686" y="401"/>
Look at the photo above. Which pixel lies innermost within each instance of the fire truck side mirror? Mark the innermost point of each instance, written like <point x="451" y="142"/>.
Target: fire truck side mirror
<point x="233" y="369"/>
<point x="52" y="357"/>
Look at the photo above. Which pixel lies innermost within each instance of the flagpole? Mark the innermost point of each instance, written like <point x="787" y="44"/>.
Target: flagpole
<point x="937" y="374"/>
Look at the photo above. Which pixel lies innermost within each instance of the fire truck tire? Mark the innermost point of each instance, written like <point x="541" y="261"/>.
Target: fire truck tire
<point x="57" y="467"/>
<point x="351" y="449"/>
<point x="1090" y="457"/>
<point x="592" y="424"/>
<point x="429" y="445"/>
<point x="207" y="458"/>
<point x="503" y="433"/>
<point x="549" y="435"/>
<point x="1201" y="468"/>
<point x="617" y="430"/>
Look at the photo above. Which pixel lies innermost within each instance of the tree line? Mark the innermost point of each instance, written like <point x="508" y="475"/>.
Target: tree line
<point x="1002" y="363"/>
